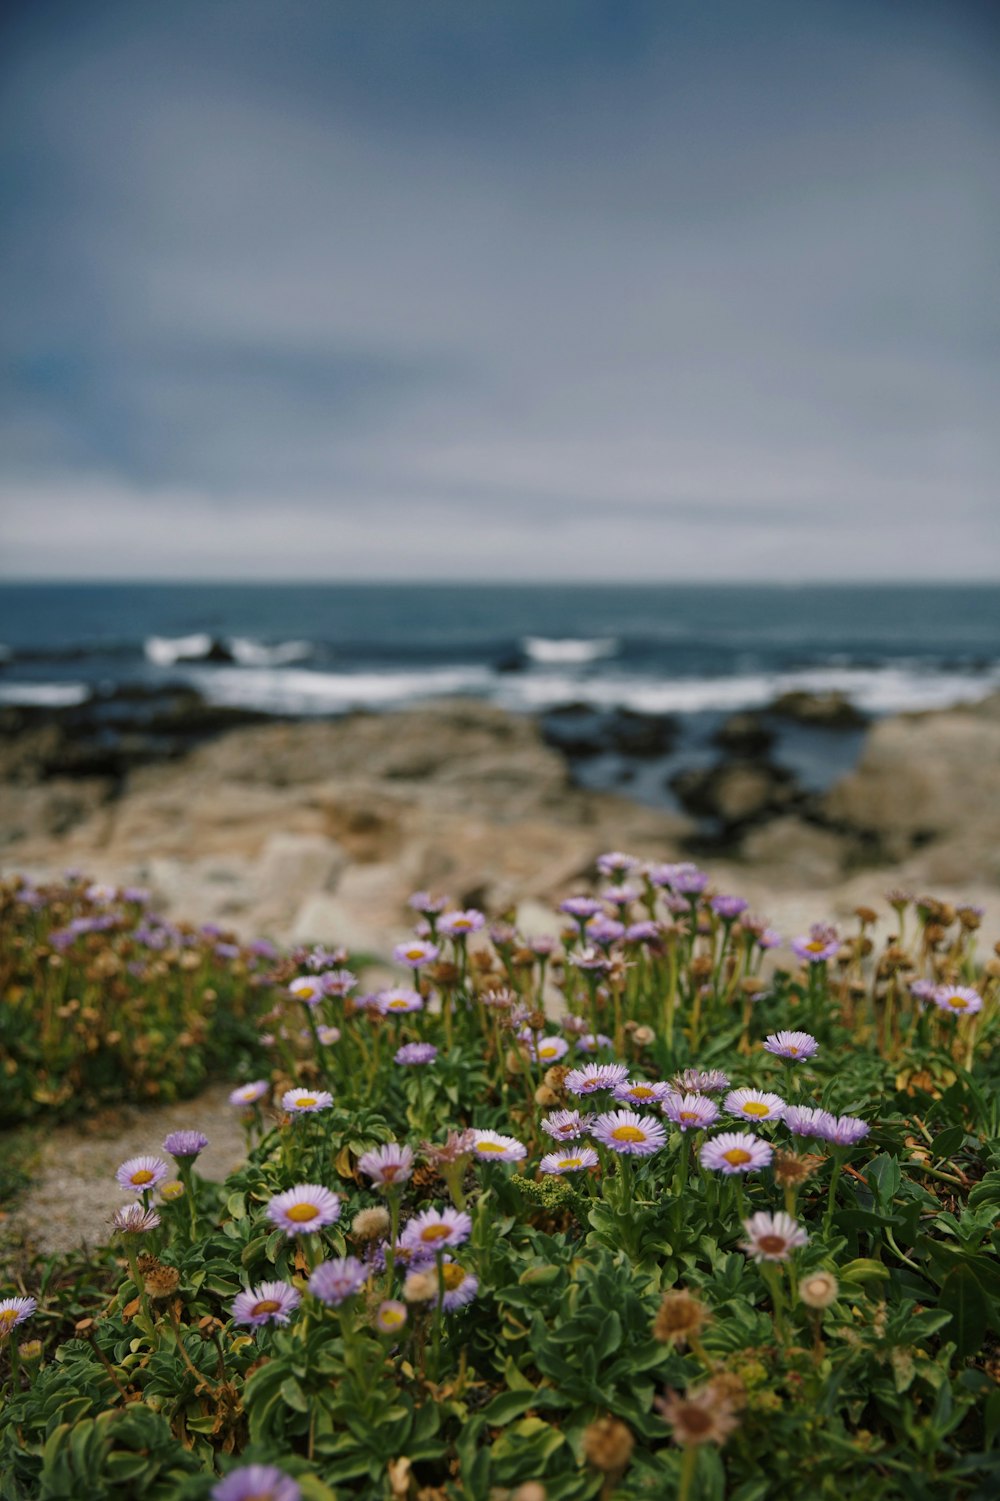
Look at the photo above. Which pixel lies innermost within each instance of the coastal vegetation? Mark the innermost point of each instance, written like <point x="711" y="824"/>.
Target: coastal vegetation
<point x="671" y="1205"/>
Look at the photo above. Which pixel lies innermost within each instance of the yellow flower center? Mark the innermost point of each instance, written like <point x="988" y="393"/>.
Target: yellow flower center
<point x="548" y="1052"/>
<point x="957" y="1002"/>
<point x="687" y="1115"/>
<point x="414" y="953"/>
<point x="431" y="1233"/>
<point x="628" y="1133"/>
<point x="304" y="1100"/>
<point x="756" y="1107"/>
<point x="453" y="1275"/>
<point x="490" y="1146"/>
<point x="7" y="1320"/>
<point x="736" y="1156"/>
<point x="640" y="1091"/>
<point x="571" y="1162"/>
<point x="267" y="1305"/>
<point x="142" y="1175"/>
<point x="302" y="1213"/>
<point x="398" y="1004"/>
<point x="390" y="1318"/>
<point x="791" y="1048"/>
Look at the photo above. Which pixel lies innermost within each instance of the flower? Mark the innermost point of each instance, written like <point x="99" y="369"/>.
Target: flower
<point x="133" y="1219"/>
<point x="328" y="1036"/>
<point x="692" y="1112"/>
<point x="308" y="989"/>
<point x="688" y="879"/>
<point x="398" y="1001"/>
<point x="338" y="982"/>
<point x="549" y="1049"/>
<point x="306" y="1101"/>
<point x="821" y="945"/>
<point x="139" y="1174"/>
<point x="333" y="1282"/>
<point x="604" y="930"/>
<point x="589" y="1042"/>
<point x="492" y="1146"/>
<point x="626" y="1132"/>
<point x="421" y="1285"/>
<point x="269" y="1303"/>
<point x="416" y="1052"/>
<point x="841" y="1130"/>
<point x="754" y="1105"/>
<point x="644" y="931"/>
<point x="806" y="1120"/>
<point x="391" y="1316"/>
<point x="172" y="1189"/>
<point x="415" y="952"/>
<point x="595" y="1076"/>
<point x="792" y="1045"/>
<point x="387" y="1165"/>
<point x="616" y="862"/>
<point x="700" y="1081"/>
<point x="728" y="907"/>
<point x="574" y="1162"/>
<point x="460" y="1286"/>
<point x="735" y="1152"/>
<point x="458" y="924"/>
<point x="641" y="1092"/>
<point x="680" y="1318"/>
<point x="185" y="1143"/>
<point x="305" y="1208"/>
<point x="14" y="1311"/>
<point x="818" y="1290"/>
<point x="588" y="958"/>
<point x="435" y="1229"/>
<point x="249" y="1094"/>
<point x="701" y="1415"/>
<point x="607" y="1444"/>
<point x="566" y="1125"/>
<point x="772" y="1237"/>
<point x="580" y="907"/>
<point x="256" y="1483"/>
<point x="960" y="999"/>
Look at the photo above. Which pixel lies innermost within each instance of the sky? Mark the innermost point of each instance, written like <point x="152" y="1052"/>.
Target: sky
<point x="692" y="289"/>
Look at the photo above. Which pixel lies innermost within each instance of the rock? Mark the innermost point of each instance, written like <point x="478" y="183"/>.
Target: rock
<point x="810" y="855"/>
<point x="580" y="730"/>
<point x="327" y="920"/>
<point x="737" y="792"/>
<point x="290" y="868"/>
<point x="745" y="735"/>
<point x="831" y="711"/>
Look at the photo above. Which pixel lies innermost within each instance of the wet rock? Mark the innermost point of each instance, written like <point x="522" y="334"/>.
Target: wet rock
<point x="736" y="792"/>
<point x="831" y="711"/>
<point x="580" y="730"/>
<point x="745" y="734"/>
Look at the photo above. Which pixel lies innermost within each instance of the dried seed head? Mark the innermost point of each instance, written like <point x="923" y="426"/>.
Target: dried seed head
<point x="680" y="1317"/>
<point x="608" y="1445"/>
<point x="790" y="1169"/>
<point x="420" y="1287"/>
<point x="370" y="1224"/>
<point x="701" y="1415"/>
<point x="161" y="1281"/>
<point x="818" y="1290"/>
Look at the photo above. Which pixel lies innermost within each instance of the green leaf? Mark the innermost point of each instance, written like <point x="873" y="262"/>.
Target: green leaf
<point x="962" y="1296"/>
<point x="507" y="1406"/>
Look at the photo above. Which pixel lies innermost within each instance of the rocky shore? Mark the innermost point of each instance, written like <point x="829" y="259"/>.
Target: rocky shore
<point x="320" y="830"/>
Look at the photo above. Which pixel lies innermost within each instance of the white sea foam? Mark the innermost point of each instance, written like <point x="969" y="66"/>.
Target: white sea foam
<point x="568" y="651"/>
<point x="166" y="650"/>
<point x="299" y="691"/>
<point x="44" y="695"/>
<point x="251" y="653"/>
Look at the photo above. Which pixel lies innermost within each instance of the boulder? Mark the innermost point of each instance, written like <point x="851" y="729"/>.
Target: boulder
<point x="736" y="792"/>
<point x="830" y="711"/>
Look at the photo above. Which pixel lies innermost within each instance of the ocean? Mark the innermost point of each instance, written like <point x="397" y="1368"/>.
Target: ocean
<point x="694" y="652"/>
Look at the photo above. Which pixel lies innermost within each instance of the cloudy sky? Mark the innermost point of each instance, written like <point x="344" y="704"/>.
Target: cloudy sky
<point x="686" y="289"/>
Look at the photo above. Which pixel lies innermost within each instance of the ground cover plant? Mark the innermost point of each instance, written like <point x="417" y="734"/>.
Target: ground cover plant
<point x="104" y="1003"/>
<point x="668" y="1207"/>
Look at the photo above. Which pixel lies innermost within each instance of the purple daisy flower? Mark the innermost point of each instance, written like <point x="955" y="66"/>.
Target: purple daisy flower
<point x="461" y="924"/>
<point x="589" y="958"/>
<point x="256" y="1483"/>
<point x="688" y="879"/>
<point x="620" y="896"/>
<point x="728" y="907"/>
<point x="754" y="1105"/>
<point x="415" y="952"/>
<point x="591" y="1042"/>
<point x="306" y="1101"/>
<point x="700" y="1081"/>
<point x="842" y="1130"/>
<point x="328" y="1035"/>
<point x="795" y="1046"/>
<point x="185" y="1143"/>
<point x="303" y="1209"/>
<point x="388" y="1165"/>
<point x="268" y="1303"/>
<point x="772" y="1237"/>
<point x="308" y="989"/>
<point x="961" y="1000"/>
<point x="460" y="1286"/>
<point x="580" y="907"/>
<point x="575" y="1160"/>
<point x="616" y="862"/>
<point x="133" y="1219"/>
<point x="735" y="1152"/>
<point x="823" y="943"/>
<point x="692" y="1112"/>
<point x="547" y="1049"/>
<point x="806" y="1120"/>
<point x="595" y="1076"/>
<point x="645" y="931"/>
<point x="641" y="1092"/>
<point x="491" y="1146"/>
<point x="249" y="1094"/>
<point x="14" y="1311"/>
<point x="338" y="982"/>
<point x="434" y="1229"/>
<point x="333" y="1282"/>
<point x="566" y="1125"/>
<point x="391" y="1316"/>
<point x="630" y="1134"/>
<point x="416" y="1052"/>
<point x="604" y="930"/>
<point x="140" y="1174"/>
<point x="399" y="1001"/>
